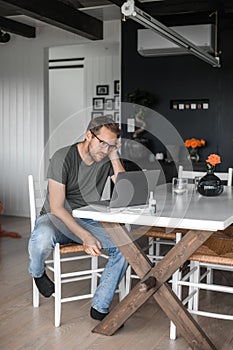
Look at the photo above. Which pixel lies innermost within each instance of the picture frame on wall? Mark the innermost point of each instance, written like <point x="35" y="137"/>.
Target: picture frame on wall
<point x="109" y="103"/>
<point x="116" y="87"/>
<point x="96" y="114"/>
<point x="109" y="116"/>
<point x="193" y="105"/>
<point x="117" y="117"/>
<point x="98" y="103"/>
<point x="205" y="105"/>
<point x="102" y="90"/>
<point x="116" y="102"/>
<point x="185" y="105"/>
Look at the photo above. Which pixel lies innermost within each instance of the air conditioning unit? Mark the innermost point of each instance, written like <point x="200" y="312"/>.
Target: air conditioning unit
<point x="152" y="44"/>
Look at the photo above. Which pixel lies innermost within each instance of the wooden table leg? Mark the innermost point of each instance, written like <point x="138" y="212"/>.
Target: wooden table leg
<point x="162" y="272"/>
<point x="185" y="323"/>
<point x="122" y="311"/>
<point x="175" y="258"/>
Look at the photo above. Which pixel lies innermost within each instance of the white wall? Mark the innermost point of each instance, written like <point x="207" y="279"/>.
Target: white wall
<point x="22" y="107"/>
<point x="68" y="121"/>
<point x="66" y="104"/>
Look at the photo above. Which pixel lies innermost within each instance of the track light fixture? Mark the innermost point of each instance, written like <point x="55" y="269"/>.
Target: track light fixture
<point x="129" y="9"/>
<point x="4" y="37"/>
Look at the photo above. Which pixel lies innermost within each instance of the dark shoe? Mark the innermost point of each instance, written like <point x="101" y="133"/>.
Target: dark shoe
<point x="96" y="315"/>
<point x="45" y="285"/>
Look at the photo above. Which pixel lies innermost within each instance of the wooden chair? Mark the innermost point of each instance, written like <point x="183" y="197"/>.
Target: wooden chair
<point x="210" y="257"/>
<point x="216" y="252"/>
<point x="36" y="198"/>
<point x="191" y="175"/>
<point x="156" y="235"/>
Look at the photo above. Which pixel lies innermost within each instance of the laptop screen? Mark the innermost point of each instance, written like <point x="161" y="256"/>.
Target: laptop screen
<point x="133" y="188"/>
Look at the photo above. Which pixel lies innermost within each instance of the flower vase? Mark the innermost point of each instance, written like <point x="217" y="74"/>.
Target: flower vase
<point x="210" y="185"/>
<point x="193" y="155"/>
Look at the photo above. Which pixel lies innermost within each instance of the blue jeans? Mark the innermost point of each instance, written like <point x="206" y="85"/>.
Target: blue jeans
<point x="49" y="230"/>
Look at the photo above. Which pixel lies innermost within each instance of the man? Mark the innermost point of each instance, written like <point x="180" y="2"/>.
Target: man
<point x="77" y="175"/>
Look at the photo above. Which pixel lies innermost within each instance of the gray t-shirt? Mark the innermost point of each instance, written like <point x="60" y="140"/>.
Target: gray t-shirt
<point x="84" y="183"/>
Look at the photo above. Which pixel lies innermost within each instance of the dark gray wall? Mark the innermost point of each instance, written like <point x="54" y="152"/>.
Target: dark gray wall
<point x="185" y="77"/>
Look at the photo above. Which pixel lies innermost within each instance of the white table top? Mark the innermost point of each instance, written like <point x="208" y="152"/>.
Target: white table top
<point x="190" y="211"/>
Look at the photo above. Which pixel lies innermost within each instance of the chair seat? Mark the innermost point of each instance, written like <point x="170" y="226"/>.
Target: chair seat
<point x="160" y="232"/>
<point x="216" y="250"/>
<point x="71" y="248"/>
<point x="157" y="232"/>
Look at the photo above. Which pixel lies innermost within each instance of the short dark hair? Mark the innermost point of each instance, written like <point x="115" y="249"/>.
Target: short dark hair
<point x="97" y="123"/>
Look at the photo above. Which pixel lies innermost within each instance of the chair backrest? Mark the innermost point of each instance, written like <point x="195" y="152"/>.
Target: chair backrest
<point x="37" y="193"/>
<point x="192" y="174"/>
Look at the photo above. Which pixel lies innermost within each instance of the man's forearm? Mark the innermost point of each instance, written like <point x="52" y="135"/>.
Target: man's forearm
<point x="62" y="214"/>
<point x="117" y="166"/>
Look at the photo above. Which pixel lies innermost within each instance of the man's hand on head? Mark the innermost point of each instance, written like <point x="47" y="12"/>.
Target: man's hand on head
<point x="114" y="153"/>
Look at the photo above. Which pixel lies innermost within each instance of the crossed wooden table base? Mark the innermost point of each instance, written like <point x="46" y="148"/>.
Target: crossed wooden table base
<point x="154" y="283"/>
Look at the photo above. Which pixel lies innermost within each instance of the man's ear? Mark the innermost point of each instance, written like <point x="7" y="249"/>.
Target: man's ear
<point x="88" y="136"/>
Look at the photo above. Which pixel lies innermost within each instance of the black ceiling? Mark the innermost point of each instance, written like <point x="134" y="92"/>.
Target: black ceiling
<point x="65" y="14"/>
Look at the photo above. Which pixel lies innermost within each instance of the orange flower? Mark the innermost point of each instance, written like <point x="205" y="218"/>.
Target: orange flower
<point x="213" y="159"/>
<point x="187" y="143"/>
<point x="194" y="143"/>
<point x="202" y="142"/>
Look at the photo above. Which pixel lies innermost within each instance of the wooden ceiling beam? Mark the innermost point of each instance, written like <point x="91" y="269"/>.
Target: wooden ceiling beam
<point x="60" y="15"/>
<point x="18" y="28"/>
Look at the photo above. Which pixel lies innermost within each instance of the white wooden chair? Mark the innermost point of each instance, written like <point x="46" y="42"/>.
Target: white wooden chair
<point x="156" y="235"/>
<point x="215" y="254"/>
<point x="76" y="252"/>
<point x="191" y="175"/>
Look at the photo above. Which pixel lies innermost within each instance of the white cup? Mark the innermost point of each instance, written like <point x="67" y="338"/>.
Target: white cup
<point x="179" y="186"/>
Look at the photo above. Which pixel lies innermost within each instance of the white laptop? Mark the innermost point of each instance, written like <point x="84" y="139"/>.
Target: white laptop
<point x="132" y="188"/>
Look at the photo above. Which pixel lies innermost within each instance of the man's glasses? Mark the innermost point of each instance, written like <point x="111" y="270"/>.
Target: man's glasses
<point x="104" y="144"/>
